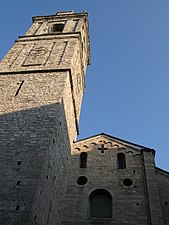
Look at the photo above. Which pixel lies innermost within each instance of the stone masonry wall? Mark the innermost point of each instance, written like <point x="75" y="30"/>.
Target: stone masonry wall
<point x="27" y="142"/>
<point x="145" y="201"/>
<point x="153" y="197"/>
<point x="129" y="203"/>
<point x="50" y="192"/>
<point x="41" y="89"/>
<point x="163" y="187"/>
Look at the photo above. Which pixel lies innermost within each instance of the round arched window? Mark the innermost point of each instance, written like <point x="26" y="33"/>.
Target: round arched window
<point x="100" y="204"/>
<point x="121" y="161"/>
<point x="83" y="160"/>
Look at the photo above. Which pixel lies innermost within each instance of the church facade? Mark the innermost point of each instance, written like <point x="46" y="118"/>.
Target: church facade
<point x="112" y="181"/>
<point x="47" y="177"/>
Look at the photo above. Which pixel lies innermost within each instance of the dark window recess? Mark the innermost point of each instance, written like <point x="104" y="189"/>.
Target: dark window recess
<point x="83" y="160"/>
<point x="166" y="203"/>
<point x="17" y="207"/>
<point x="58" y="27"/>
<point x="121" y="161"/>
<point x="19" y="163"/>
<point x="82" y="180"/>
<point x="18" y="183"/>
<point x="100" y="204"/>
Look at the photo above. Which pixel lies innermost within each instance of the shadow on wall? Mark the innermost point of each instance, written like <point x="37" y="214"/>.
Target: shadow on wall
<point x="35" y="153"/>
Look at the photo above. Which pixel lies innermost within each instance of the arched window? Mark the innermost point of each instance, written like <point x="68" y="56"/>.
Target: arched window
<point x="121" y="161"/>
<point x="100" y="204"/>
<point x="83" y="160"/>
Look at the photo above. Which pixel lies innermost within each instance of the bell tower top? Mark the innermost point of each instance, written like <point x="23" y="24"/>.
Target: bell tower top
<point x="54" y="44"/>
<point x="63" y="27"/>
<point x="66" y="23"/>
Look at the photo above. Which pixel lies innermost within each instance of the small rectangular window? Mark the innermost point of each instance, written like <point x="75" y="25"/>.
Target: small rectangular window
<point x="58" y="27"/>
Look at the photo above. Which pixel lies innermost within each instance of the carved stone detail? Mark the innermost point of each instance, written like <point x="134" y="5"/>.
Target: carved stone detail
<point x="36" y="56"/>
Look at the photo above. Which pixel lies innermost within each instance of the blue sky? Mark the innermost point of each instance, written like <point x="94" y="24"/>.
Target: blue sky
<point x="127" y="91"/>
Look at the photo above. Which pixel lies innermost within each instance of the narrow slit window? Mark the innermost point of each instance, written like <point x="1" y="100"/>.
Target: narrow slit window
<point x="17" y="92"/>
<point x="121" y="161"/>
<point x="83" y="160"/>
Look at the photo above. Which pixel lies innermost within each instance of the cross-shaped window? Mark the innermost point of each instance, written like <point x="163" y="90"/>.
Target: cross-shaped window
<point x="102" y="149"/>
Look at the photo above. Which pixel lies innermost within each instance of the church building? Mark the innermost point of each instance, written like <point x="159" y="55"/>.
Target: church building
<point x="115" y="182"/>
<point x="47" y="176"/>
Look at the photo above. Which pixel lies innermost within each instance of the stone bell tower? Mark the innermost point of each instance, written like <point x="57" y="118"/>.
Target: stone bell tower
<point x="42" y="80"/>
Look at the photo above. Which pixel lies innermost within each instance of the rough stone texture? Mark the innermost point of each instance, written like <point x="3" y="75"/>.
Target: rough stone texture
<point x="41" y="88"/>
<point x="163" y="186"/>
<point x="142" y="203"/>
